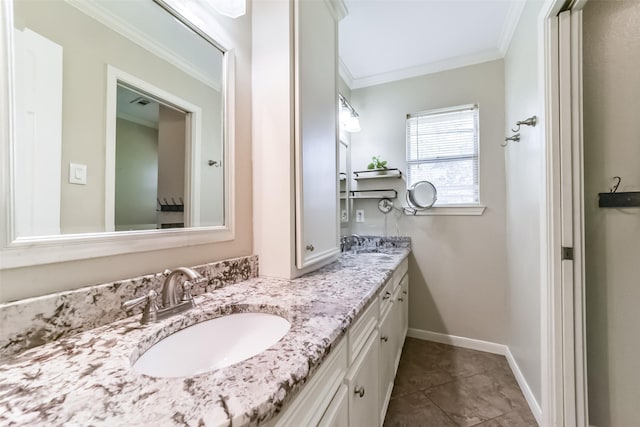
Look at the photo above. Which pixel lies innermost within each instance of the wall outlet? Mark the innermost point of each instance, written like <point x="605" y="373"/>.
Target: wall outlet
<point x="360" y="215"/>
<point x="343" y="216"/>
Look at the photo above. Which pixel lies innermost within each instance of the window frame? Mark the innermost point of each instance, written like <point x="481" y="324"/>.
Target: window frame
<point x="475" y="208"/>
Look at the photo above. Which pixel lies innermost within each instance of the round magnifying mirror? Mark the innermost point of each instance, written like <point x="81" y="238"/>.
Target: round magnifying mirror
<point x="422" y="195"/>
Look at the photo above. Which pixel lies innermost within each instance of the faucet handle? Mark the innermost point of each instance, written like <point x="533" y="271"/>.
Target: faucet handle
<point x="187" y="286"/>
<point x="150" y="309"/>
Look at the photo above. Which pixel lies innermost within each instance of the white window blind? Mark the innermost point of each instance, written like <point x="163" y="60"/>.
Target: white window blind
<point x="442" y="147"/>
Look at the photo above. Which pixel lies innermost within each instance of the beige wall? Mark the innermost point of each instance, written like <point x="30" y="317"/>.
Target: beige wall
<point x="31" y="281"/>
<point x="524" y="186"/>
<point x="612" y="147"/>
<point x="136" y="175"/>
<point x="458" y="266"/>
<point x="84" y="98"/>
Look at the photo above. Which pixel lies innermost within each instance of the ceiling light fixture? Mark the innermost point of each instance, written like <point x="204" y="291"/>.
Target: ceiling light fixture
<point x="230" y="8"/>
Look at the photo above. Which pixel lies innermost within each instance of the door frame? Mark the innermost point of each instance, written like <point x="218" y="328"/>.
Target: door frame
<point x="193" y="141"/>
<point x="563" y="348"/>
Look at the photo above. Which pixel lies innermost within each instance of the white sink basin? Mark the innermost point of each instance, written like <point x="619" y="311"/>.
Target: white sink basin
<point x="212" y="344"/>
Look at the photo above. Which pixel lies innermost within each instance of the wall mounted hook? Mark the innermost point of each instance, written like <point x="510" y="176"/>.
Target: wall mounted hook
<point x="531" y="121"/>
<point x="515" y="138"/>
<point x="617" y="184"/>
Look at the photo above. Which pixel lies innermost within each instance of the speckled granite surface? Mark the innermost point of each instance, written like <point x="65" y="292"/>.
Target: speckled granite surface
<point x="86" y="379"/>
<point x="35" y="321"/>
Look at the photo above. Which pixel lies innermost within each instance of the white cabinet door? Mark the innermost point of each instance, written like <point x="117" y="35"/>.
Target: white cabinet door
<point x="397" y="314"/>
<point x="387" y="356"/>
<point x="404" y="303"/>
<point x="337" y="414"/>
<point x="362" y="381"/>
<point x="315" y="128"/>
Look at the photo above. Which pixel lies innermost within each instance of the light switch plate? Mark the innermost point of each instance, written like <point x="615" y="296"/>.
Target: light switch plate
<point x="77" y="174"/>
<point x="360" y="215"/>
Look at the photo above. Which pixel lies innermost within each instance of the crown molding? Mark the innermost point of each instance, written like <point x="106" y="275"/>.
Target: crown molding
<point x="345" y="73"/>
<point x="421" y="70"/>
<point x="338" y="9"/>
<point x="98" y="12"/>
<point x="510" y="25"/>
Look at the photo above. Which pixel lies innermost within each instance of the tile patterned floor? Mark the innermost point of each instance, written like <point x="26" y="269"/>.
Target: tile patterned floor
<point x="444" y="386"/>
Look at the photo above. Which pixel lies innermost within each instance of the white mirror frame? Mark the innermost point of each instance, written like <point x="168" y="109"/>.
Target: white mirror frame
<point x="28" y="251"/>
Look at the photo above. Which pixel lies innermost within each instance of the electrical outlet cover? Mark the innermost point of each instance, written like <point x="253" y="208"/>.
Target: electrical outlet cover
<point x="360" y="215"/>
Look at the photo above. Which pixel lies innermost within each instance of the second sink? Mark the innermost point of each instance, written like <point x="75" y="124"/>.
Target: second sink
<point x="212" y="344"/>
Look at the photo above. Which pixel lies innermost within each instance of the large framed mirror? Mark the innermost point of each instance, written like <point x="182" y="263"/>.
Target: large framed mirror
<point x="118" y="136"/>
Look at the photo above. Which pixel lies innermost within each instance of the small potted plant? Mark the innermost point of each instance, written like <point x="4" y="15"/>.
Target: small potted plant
<point x="379" y="167"/>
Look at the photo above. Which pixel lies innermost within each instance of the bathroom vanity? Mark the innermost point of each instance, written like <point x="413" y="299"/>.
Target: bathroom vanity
<point x="335" y="366"/>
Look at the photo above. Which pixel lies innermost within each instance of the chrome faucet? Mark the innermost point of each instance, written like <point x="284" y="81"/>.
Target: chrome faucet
<point x="171" y="294"/>
<point x="174" y="299"/>
<point x="347" y="242"/>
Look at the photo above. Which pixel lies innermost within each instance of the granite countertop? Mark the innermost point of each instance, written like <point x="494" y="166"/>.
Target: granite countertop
<point x="87" y="379"/>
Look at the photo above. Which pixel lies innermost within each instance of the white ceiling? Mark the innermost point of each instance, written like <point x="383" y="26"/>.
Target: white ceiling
<point x="387" y="40"/>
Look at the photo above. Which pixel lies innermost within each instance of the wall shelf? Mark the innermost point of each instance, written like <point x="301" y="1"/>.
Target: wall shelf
<point x="377" y="174"/>
<point x="373" y="194"/>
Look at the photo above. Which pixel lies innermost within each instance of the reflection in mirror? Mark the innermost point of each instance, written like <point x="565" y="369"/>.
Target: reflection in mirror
<point x="119" y="119"/>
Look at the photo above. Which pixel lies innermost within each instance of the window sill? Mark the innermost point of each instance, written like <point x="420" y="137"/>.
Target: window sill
<point x="453" y="210"/>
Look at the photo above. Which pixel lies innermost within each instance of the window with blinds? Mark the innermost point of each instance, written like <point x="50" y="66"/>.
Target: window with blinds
<point x="442" y="148"/>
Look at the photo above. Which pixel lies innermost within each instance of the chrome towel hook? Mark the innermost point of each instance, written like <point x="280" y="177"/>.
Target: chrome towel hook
<point x="531" y="121"/>
<point x="515" y="138"/>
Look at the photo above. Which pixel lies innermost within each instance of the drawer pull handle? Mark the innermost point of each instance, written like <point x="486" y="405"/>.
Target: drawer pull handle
<point x="384" y="338"/>
<point x="400" y="299"/>
<point x="310" y="248"/>
<point x="404" y="292"/>
<point x="359" y="391"/>
<point x="387" y="295"/>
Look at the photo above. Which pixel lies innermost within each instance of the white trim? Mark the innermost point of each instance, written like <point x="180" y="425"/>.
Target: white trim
<point x="430" y="68"/>
<point x="534" y="406"/>
<point x="510" y="24"/>
<point x="338" y="9"/>
<point x="551" y="321"/>
<point x="23" y="252"/>
<point x="457" y="341"/>
<point x="452" y="211"/>
<point x="488" y="347"/>
<point x="579" y="286"/>
<point x="6" y="123"/>
<point x="344" y="72"/>
<point x="101" y="14"/>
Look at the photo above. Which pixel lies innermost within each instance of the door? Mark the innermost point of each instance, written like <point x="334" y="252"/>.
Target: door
<point x="38" y="155"/>
<point x="316" y="133"/>
<point x="572" y="218"/>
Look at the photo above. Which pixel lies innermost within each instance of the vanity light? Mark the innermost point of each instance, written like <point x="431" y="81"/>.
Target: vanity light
<point x="352" y="125"/>
<point x="230" y="8"/>
<point x="349" y="121"/>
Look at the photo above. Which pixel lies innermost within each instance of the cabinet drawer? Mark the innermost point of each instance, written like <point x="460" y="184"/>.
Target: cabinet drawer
<point x="308" y="408"/>
<point x="362" y="381"/>
<point x="386" y="295"/>
<point x="361" y="329"/>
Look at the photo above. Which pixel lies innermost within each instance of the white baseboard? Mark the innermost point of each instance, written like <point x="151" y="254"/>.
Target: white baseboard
<point x="471" y="343"/>
<point x="488" y="347"/>
<point x="524" y="386"/>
